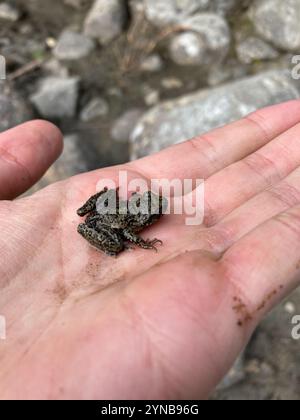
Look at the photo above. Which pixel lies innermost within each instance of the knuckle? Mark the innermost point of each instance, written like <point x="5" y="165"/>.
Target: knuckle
<point x="286" y="193"/>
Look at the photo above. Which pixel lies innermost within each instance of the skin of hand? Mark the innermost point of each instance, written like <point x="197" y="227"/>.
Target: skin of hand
<point x="166" y="325"/>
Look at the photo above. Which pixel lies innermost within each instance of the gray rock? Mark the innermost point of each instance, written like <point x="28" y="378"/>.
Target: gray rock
<point x="223" y="7"/>
<point x="54" y="67"/>
<point x="152" y="63"/>
<point x="152" y="96"/>
<point x="14" y="110"/>
<point x="167" y="12"/>
<point x="253" y="49"/>
<point x="206" y="40"/>
<point x="191" y="115"/>
<point x="105" y="20"/>
<point x="9" y="12"/>
<point x="73" y="46"/>
<point x="136" y="7"/>
<point x="278" y="21"/>
<point x="79" y="155"/>
<point x="115" y="92"/>
<point x="2" y="68"/>
<point x="236" y="374"/>
<point x="57" y="97"/>
<point x="232" y="70"/>
<point x="77" y="4"/>
<point x="124" y="126"/>
<point x="170" y="83"/>
<point x="215" y="31"/>
<point x="96" y="108"/>
<point x="70" y="163"/>
<point x="187" y="48"/>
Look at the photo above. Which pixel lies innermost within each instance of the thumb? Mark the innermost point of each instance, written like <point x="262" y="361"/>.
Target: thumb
<point x="26" y="152"/>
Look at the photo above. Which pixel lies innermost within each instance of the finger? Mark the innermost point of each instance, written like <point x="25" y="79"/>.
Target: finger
<point x="26" y="152"/>
<point x="264" y="266"/>
<point x="259" y="209"/>
<point x="205" y="155"/>
<point x="239" y="182"/>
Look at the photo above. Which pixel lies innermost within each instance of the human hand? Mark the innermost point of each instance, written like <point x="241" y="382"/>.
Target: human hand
<point x="148" y="325"/>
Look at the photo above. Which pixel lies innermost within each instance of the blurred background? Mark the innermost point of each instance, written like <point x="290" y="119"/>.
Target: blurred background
<point x="126" y="78"/>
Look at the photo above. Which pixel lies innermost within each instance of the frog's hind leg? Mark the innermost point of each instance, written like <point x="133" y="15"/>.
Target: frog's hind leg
<point x="140" y="242"/>
<point x="105" y="240"/>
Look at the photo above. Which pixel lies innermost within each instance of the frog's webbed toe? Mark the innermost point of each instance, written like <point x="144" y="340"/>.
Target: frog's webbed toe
<point x="151" y="244"/>
<point x="140" y="242"/>
<point x="155" y="242"/>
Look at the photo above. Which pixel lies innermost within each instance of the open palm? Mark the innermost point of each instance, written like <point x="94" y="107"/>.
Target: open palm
<point x="146" y="325"/>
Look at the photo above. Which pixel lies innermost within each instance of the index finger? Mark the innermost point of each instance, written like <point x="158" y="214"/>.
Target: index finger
<point x="203" y="156"/>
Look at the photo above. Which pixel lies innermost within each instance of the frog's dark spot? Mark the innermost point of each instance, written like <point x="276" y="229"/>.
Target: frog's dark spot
<point x="61" y="292"/>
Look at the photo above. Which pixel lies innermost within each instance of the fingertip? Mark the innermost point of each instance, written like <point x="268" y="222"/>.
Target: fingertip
<point x="294" y="103"/>
<point x="288" y="111"/>
<point x="293" y="107"/>
<point x="48" y="133"/>
<point x="26" y="152"/>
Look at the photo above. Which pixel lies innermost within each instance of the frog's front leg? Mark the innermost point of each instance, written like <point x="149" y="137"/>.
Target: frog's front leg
<point x="130" y="236"/>
<point x="104" y="239"/>
<point x="90" y="205"/>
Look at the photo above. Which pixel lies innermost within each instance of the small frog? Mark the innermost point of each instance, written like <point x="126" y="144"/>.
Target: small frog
<point x="111" y="222"/>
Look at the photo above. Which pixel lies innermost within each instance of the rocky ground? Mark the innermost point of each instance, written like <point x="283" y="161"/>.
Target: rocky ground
<point x="123" y="79"/>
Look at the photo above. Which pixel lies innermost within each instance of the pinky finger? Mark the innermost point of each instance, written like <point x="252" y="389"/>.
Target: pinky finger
<point x="264" y="266"/>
